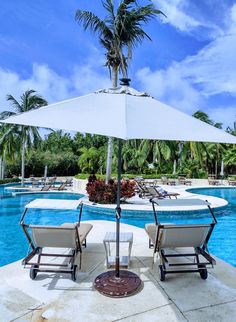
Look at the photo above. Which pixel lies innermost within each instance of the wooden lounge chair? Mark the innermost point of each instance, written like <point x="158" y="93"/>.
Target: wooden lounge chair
<point x="142" y="189"/>
<point x="167" y="181"/>
<point x="51" y="181"/>
<point x="184" y="181"/>
<point x="232" y="182"/>
<point x="35" y="182"/>
<point x="61" y="187"/>
<point x="46" y="187"/>
<point x="164" y="180"/>
<point x="161" y="193"/>
<point x="183" y="237"/>
<point x="69" y="182"/>
<point x="71" y="236"/>
<point x="213" y="182"/>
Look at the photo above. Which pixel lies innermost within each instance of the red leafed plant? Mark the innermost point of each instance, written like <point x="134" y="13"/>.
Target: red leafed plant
<point x="103" y="193"/>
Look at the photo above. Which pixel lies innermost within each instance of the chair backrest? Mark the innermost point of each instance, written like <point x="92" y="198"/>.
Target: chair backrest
<point x="153" y="192"/>
<point x="160" y="192"/>
<point x="62" y="187"/>
<point x="69" y="181"/>
<point x="54" y="236"/>
<point x="141" y="186"/>
<point x="164" y="180"/>
<point x="46" y="187"/>
<point x="52" y="180"/>
<point x="35" y="182"/>
<point x="172" y="236"/>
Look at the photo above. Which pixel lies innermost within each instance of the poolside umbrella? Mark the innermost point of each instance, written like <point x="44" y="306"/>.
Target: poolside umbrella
<point x="123" y="113"/>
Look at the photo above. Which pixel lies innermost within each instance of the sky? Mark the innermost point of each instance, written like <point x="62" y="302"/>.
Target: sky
<point x="190" y="62"/>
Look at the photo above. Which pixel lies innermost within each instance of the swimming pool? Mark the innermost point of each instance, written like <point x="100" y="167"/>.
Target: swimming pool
<point x="13" y="243"/>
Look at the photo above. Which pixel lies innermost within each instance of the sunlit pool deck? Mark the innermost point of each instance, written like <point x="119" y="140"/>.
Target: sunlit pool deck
<point x="182" y="297"/>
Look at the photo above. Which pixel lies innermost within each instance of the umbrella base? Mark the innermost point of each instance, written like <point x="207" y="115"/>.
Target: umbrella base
<point x="109" y="285"/>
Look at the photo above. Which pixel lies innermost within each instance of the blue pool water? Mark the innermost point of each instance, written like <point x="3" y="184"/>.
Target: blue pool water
<point x="13" y="243"/>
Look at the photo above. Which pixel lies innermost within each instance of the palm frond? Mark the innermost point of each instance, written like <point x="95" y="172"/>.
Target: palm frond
<point x="15" y="103"/>
<point x="109" y="6"/>
<point x="90" y="20"/>
<point x="6" y="114"/>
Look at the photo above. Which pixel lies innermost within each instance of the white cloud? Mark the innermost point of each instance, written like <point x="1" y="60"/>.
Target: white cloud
<point x="184" y="16"/>
<point x="233" y="19"/>
<point x="189" y="84"/>
<point x="173" y="9"/>
<point x="50" y="85"/>
<point x="213" y="68"/>
<point x="171" y="87"/>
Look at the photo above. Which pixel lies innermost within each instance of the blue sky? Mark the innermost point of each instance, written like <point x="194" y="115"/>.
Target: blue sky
<point x="190" y="63"/>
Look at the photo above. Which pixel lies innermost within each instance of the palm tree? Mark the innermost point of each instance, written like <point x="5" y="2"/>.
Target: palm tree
<point x="90" y="159"/>
<point x="9" y="145"/>
<point x="207" y="155"/>
<point x="118" y="33"/>
<point x="27" y="134"/>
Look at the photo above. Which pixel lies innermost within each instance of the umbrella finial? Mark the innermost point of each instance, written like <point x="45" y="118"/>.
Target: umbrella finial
<point x="125" y="81"/>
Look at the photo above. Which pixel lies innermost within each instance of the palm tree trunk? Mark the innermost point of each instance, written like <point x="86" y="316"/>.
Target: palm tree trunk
<point x="3" y="165"/>
<point x="110" y="139"/>
<point x="23" y="164"/>
<point x="216" y="168"/>
<point x="0" y="168"/>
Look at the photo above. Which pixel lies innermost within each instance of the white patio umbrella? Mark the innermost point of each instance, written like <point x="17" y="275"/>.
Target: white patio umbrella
<point x="123" y="113"/>
<point x="126" y="114"/>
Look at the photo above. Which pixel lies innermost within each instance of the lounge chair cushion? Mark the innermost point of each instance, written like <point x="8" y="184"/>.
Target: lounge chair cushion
<point x="161" y="191"/>
<point x="84" y="229"/>
<point x="56" y="236"/>
<point x="178" y="235"/>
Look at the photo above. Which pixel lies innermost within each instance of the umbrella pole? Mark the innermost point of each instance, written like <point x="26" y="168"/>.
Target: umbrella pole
<point x="118" y="210"/>
<point x="118" y="283"/>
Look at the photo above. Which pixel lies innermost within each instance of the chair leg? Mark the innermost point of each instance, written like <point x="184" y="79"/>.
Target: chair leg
<point x="80" y="260"/>
<point x="150" y="243"/>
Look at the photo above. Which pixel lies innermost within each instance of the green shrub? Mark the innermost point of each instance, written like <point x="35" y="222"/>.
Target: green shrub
<point x="128" y="176"/>
<point x="11" y="180"/>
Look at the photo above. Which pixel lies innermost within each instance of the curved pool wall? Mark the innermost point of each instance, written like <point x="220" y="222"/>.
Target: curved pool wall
<point x="14" y="245"/>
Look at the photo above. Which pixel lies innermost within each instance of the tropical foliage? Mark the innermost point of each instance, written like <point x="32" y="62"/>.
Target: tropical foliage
<point x="20" y="136"/>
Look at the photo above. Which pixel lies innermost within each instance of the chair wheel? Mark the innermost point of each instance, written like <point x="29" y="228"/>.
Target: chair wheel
<point x="162" y="273"/>
<point x="33" y="271"/>
<point x="73" y="273"/>
<point x="203" y="272"/>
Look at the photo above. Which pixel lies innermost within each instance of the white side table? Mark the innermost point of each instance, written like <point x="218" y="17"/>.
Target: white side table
<point x="109" y="238"/>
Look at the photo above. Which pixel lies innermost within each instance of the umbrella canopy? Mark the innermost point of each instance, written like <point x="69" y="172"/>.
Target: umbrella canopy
<point x="123" y="113"/>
